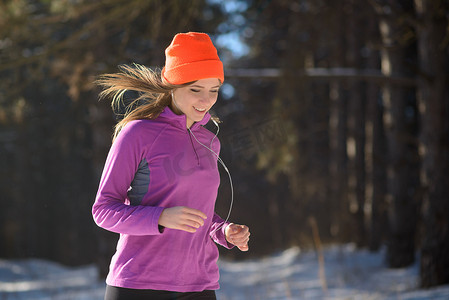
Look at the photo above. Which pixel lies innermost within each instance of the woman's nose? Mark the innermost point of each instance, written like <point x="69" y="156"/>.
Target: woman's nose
<point x="206" y="98"/>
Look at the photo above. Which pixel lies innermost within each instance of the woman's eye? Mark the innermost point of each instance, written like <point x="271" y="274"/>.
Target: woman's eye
<point x="195" y="90"/>
<point x="214" y="91"/>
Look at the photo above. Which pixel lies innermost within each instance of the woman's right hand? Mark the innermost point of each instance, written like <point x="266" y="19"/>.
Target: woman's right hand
<point x="182" y="218"/>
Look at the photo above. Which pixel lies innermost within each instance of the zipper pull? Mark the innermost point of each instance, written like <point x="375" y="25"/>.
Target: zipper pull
<point x="193" y="146"/>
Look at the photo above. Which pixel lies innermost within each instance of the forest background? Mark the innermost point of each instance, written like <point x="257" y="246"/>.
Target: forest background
<point x="335" y="121"/>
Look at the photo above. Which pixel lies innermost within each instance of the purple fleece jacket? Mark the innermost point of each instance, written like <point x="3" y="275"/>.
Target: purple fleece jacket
<point x="152" y="165"/>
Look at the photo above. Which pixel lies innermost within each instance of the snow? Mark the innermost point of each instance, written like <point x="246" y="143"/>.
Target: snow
<point x="347" y="273"/>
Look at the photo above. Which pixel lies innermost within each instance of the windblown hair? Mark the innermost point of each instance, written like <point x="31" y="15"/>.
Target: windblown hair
<point x="154" y="93"/>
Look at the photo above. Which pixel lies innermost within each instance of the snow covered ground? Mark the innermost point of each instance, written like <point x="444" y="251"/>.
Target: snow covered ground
<point x="292" y="274"/>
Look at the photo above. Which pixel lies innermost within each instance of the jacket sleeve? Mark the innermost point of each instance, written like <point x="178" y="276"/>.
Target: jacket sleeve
<point x="217" y="231"/>
<point x="110" y="210"/>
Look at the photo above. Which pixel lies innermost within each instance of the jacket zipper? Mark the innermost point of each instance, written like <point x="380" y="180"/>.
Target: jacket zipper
<point x="193" y="146"/>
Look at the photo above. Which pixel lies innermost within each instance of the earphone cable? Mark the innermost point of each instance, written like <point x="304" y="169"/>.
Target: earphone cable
<point x="227" y="171"/>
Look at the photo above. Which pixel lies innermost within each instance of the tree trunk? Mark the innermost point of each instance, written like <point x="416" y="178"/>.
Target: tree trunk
<point x="375" y="152"/>
<point x="433" y="95"/>
<point x="402" y="180"/>
<point x="338" y="158"/>
<point x="379" y="221"/>
<point x="356" y="128"/>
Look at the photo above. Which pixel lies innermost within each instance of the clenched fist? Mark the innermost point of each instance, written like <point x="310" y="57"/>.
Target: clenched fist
<point x="238" y="235"/>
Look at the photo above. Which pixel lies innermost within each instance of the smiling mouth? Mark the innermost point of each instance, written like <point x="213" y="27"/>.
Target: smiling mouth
<point x="199" y="109"/>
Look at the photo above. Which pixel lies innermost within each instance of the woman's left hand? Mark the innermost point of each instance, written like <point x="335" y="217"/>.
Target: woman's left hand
<point x="238" y="235"/>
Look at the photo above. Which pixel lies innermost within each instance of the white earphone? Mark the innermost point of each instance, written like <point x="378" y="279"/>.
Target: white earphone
<point x="225" y="168"/>
<point x="218" y="159"/>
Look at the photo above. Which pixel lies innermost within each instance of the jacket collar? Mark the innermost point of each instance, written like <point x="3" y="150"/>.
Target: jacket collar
<point x="180" y="121"/>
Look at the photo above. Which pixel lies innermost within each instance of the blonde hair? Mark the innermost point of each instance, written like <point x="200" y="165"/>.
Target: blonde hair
<point x="155" y="93"/>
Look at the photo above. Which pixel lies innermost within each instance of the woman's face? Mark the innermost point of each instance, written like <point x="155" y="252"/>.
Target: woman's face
<point x="196" y="99"/>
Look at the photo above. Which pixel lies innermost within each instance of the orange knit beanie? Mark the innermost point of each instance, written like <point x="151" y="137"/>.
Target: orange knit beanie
<point x="191" y="56"/>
